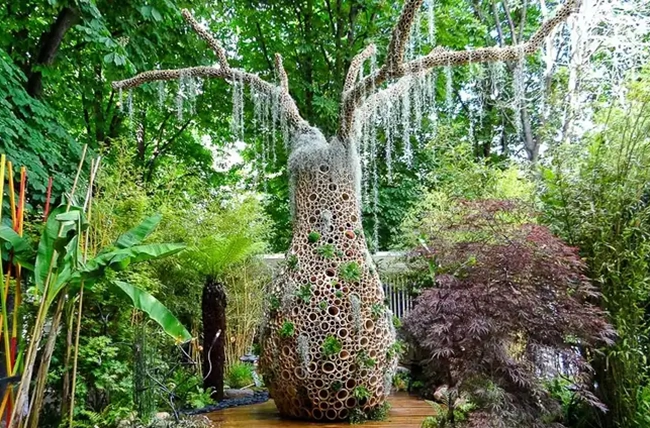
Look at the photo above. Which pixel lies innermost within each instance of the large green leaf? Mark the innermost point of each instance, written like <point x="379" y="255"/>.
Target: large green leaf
<point x="61" y="227"/>
<point x="156" y="310"/>
<point x="21" y="250"/>
<point x="120" y="259"/>
<point x="138" y="234"/>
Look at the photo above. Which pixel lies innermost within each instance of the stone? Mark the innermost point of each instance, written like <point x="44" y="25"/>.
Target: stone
<point x="238" y="393"/>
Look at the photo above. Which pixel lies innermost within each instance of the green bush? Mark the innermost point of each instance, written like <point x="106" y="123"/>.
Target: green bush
<point x="239" y="375"/>
<point x="597" y="197"/>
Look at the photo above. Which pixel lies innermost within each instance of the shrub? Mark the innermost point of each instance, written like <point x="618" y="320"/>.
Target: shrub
<point x="507" y="294"/>
<point x="240" y="375"/>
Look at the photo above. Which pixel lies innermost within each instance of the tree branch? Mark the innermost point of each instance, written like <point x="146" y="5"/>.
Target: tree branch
<point x="287" y="103"/>
<point x="394" y="68"/>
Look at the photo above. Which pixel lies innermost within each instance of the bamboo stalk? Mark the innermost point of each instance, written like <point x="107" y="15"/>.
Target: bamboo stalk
<point x="23" y="389"/>
<point x="87" y="205"/>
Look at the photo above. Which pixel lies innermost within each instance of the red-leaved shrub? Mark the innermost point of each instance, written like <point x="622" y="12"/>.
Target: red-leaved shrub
<point x="509" y="308"/>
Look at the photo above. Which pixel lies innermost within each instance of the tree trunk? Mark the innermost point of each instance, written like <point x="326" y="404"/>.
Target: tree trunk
<point x="48" y="47"/>
<point x="214" y="333"/>
<point x="326" y="349"/>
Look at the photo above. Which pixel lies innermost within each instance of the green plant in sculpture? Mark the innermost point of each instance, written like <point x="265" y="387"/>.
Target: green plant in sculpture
<point x="292" y="262"/>
<point x="338" y="294"/>
<point x="361" y="393"/>
<point x="331" y="346"/>
<point x="274" y="302"/>
<point x="364" y="360"/>
<point x="304" y="293"/>
<point x="313" y="237"/>
<point x="323" y="305"/>
<point x="327" y="251"/>
<point x="337" y="385"/>
<point x="287" y="330"/>
<point x="396" y="349"/>
<point x="377" y="311"/>
<point x="350" y="271"/>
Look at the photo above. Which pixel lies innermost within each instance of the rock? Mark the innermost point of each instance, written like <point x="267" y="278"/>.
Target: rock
<point x="402" y="369"/>
<point x="238" y="393"/>
<point x="162" y="415"/>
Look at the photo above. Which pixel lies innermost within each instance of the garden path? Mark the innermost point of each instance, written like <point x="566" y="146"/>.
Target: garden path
<point x="406" y="412"/>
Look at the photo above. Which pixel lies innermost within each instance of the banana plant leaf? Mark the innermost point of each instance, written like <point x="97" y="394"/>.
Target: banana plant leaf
<point x="139" y="233"/>
<point x="22" y="252"/>
<point x="62" y="226"/>
<point x="120" y="259"/>
<point x="157" y="311"/>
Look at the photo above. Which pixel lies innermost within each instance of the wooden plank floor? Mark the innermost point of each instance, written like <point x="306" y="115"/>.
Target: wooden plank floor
<point x="406" y="412"/>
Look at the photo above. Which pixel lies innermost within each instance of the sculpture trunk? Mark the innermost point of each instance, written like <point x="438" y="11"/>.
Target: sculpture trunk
<point x="326" y="347"/>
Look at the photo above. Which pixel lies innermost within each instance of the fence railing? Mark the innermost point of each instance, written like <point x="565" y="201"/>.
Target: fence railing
<point x="390" y="266"/>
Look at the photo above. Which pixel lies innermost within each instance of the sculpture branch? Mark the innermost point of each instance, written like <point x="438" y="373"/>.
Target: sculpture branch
<point x="356" y="65"/>
<point x="282" y="73"/>
<point x="205" y="35"/>
<point x="394" y="68"/>
<point x="223" y="71"/>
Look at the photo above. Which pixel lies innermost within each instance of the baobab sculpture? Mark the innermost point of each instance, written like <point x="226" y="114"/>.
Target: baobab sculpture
<point x="328" y="344"/>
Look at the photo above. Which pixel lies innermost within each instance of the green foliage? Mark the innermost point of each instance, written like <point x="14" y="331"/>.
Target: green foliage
<point x="313" y="237"/>
<point x="364" y="360"/>
<point x="361" y="393"/>
<point x="596" y="197"/>
<point x="287" y="330"/>
<point x="331" y="346"/>
<point x="350" y="271"/>
<point x="33" y="133"/>
<point x="323" y="305"/>
<point x="292" y="262"/>
<point x="304" y="293"/>
<point x="377" y="311"/>
<point x="396" y="349"/>
<point x="274" y="302"/>
<point x="397" y="323"/>
<point x="401" y="381"/>
<point x="239" y="375"/>
<point x="338" y="294"/>
<point x="327" y="251"/>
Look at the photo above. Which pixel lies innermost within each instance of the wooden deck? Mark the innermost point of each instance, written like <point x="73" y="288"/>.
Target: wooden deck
<point x="406" y="412"/>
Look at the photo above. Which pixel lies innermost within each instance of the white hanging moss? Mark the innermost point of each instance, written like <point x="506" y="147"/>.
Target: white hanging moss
<point x="497" y="77"/>
<point x="129" y="102"/>
<point x="162" y="94"/>
<point x="449" y="89"/>
<point x="120" y="96"/>
<point x="180" y="96"/>
<point x="406" y="128"/>
<point x="432" y="22"/>
<point x="355" y="304"/>
<point x="518" y="90"/>
<point x="192" y="91"/>
<point x="237" y="120"/>
<point x="303" y="350"/>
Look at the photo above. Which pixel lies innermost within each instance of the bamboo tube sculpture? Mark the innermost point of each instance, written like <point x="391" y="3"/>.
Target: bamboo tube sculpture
<point x="328" y="341"/>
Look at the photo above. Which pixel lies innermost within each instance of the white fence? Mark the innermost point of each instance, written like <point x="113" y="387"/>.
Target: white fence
<point x="389" y="266"/>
